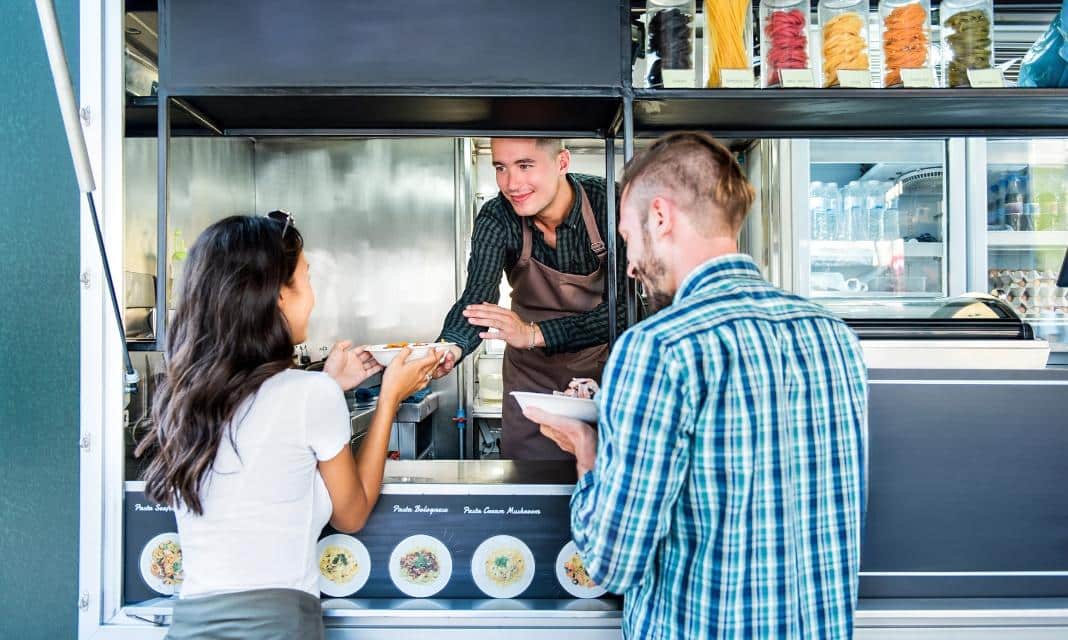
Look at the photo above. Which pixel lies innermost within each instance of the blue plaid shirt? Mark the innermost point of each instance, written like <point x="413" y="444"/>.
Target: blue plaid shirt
<point x="731" y="476"/>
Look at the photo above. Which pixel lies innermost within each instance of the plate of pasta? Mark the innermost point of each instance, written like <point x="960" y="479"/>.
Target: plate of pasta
<point x="503" y="567"/>
<point x="420" y="566"/>
<point x="161" y="564"/>
<point x="385" y="353"/>
<point x="572" y="574"/>
<point x="344" y="565"/>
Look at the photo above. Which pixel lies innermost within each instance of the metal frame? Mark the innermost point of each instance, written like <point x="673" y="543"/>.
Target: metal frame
<point x="101" y="404"/>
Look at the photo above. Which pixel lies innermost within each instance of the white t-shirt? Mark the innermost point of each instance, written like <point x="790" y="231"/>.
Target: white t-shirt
<point x="265" y="506"/>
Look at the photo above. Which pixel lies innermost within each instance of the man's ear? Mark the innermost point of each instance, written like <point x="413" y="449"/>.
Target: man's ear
<point x="563" y="160"/>
<point x="661" y="220"/>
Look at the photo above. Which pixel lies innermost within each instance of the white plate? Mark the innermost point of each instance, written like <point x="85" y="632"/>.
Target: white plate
<point x="484" y="553"/>
<point x="561" y="574"/>
<point x="359" y="554"/>
<point x="156" y="583"/>
<point x="577" y="408"/>
<point x="384" y="355"/>
<point x="412" y="544"/>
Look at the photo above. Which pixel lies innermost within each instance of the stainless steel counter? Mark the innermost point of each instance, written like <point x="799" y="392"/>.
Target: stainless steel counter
<point x="480" y="473"/>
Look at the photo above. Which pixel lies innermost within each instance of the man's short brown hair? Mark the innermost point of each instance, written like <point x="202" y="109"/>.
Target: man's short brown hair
<point x="699" y="174"/>
<point x="552" y="146"/>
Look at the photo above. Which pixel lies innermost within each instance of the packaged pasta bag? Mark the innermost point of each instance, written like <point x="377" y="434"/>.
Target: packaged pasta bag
<point x="1046" y="64"/>
<point x="844" y="31"/>
<point x="967" y="35"/>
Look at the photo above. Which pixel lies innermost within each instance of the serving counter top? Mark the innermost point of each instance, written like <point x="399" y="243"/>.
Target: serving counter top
<point x="479" y="472"/>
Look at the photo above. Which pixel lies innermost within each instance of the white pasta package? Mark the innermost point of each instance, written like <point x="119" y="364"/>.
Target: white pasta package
<point x="585" y="388"/>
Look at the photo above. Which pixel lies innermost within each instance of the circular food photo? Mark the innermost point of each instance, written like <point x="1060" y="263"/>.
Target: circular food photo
<point x="344" y="565"/>
<point x="503" y="567"/>
<point x="161" y="564"/>
<point x="571" y="572"/>
<point x="420" y="566"/>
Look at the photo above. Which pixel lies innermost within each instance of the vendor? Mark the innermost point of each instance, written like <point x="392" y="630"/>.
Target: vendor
<point x="546" y="230"/>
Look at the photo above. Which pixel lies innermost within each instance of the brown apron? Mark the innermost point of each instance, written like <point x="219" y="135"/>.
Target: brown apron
<point x="541" y="293"/>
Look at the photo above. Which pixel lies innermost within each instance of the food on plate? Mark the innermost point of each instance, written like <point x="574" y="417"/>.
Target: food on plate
<point x="397" y="345"/>
<point x="337" y="564"/>
<point x="167" y="563"/>
<point x="575" y="569"/>
<point x="505" y="566"/>
<point x="585" y="388"/>
<point x="420" y="566"/>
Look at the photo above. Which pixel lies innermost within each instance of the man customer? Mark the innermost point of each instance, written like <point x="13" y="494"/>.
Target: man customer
<point x="725" y="490"/>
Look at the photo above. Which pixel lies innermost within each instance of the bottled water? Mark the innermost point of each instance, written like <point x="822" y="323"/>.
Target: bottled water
<point x="852" y="206"/>
<point x="832" y="208"/>
<point x="817" y="211"/>
<point x="891" y="215"/>
<point x="874" y="204"/>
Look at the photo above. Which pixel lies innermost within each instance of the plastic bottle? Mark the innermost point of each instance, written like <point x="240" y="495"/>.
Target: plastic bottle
<point x="817" y="211"/>
<point x="874" y="204"/>
<point x="832" y="206"/>
<point x="891" y="215"/>
<point x="851" y="211"/>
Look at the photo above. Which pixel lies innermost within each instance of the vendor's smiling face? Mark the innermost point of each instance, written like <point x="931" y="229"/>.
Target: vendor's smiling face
<point x="528" y="173"/>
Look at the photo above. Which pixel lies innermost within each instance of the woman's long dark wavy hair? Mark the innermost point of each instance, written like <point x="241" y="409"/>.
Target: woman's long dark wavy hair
<point x="227" y="338"/>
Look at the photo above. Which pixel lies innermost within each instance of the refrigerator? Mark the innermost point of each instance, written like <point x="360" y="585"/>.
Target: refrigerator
<point x="885" y="225"/>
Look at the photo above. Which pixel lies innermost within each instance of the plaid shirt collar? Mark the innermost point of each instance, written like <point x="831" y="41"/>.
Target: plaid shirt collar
<point x="732" y="265"/>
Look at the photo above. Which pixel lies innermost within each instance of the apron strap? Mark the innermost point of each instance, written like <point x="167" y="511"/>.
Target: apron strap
<point x="524" y="255"/>
<point x="596" y="243"/>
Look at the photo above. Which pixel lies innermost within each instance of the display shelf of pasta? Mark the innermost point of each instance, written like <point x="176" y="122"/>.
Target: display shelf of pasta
<point x="967" y="35"/>
<point x="905" y="31"/>
<point x="728" y="37"/>
<point x="670" y="50"/>
<point x="845" y="43"/>
<point x="784" y="43"/>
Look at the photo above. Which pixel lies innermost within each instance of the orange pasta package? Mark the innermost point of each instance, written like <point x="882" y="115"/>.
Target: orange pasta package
<point x="905" y="27"/>
<point x="783" y="40"/>
<point x="728" y="42"/>
<point x="844" y="37"/>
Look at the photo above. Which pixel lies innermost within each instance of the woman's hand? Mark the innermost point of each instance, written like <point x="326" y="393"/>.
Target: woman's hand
<point x="403" y="378"/>
<point x="350" y="368"/>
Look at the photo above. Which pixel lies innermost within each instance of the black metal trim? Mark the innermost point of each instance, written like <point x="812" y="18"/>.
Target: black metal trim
<point x="610" y="231"/>
<point x="162" y="192"/>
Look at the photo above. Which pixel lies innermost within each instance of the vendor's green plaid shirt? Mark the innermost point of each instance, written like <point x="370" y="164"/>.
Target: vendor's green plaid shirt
<point x="730" y="483"/>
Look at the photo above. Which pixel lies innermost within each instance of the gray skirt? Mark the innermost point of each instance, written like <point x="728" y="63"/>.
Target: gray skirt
<point x="263" y="614"/>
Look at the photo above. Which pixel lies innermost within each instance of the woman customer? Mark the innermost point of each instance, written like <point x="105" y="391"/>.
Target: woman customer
<point x="252" y="453"/>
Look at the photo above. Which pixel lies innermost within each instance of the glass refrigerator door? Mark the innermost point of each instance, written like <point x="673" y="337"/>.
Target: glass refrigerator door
<point x="1027" y="231"/>
<point x="876" y="223"/>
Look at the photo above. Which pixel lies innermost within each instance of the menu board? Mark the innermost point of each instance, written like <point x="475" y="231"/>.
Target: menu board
<point x="439" y="545"/>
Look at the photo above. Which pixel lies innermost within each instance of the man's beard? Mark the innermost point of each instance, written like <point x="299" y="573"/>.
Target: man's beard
<point x="650" y="273"/>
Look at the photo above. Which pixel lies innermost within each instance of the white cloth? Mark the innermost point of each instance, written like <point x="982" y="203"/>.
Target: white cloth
<point x="265" y="506"/>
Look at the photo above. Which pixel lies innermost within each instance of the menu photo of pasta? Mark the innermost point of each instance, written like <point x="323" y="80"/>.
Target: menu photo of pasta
<point x="503" y="567"/>
<point x="572" y="575"/>
<point x="344" y="565"/>
<point x="161" y="564"/>
<point x="420" y="566"/>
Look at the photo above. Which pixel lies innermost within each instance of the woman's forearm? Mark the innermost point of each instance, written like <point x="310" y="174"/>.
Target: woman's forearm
<point x="371" y="460"/>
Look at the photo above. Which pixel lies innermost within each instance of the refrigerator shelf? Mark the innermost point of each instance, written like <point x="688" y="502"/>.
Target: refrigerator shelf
<point x="1027" y="239"/>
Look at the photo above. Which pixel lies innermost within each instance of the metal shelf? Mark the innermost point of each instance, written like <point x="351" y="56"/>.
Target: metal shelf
<point x="1025" y="240"/>
<point x="142" y="119"/>
<point x="853" y="112"/>
<point x="458" y="111"/>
